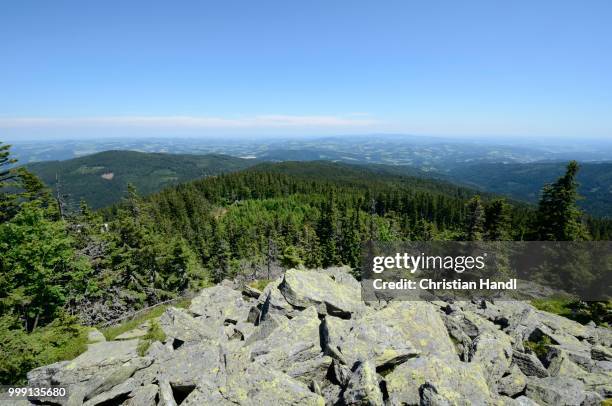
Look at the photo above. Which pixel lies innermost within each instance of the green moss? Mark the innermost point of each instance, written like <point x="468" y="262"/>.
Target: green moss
<point x="260" y="284"/>
<point x="540" y="347"/>
<point x="155" y="333"/>
<point x="113" y="331"/>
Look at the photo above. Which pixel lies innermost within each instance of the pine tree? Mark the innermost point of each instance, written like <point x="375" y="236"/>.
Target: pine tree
<point x="497" y="221"/>
<point x="327" y="231"/>
<point x="558" y="217"/>
<point x="475" y="220"/>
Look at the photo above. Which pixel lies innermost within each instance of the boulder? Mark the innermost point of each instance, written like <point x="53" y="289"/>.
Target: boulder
<point x="221" y="304"/>
<point x="180" y="327"/>
<point x="294" y="348"/>
<point x="455" y="381"/>
<point x="377" y="337"/>
<point x="529" y="364"/>
<point x="512" y="383"/>
<point x="302" y="289"/>
<point x="492" y="350"/>
<point x="143" y="396"/>
<point x="95" y="336"/>
<point x="362" y="387"/>
<point x="601" y="353"/>
<point x="558" y="391"/>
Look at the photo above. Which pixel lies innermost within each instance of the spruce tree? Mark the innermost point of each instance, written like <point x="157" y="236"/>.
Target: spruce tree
<point x="475" y="220"/>
<point x="497" y="221"/>
<point x="558" y="217"/>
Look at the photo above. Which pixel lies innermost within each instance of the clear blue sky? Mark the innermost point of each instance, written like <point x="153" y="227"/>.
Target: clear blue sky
<point x="541" y="68"/>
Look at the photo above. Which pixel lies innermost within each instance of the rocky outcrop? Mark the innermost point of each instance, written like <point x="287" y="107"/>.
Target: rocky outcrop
<point x="309" y="339"/>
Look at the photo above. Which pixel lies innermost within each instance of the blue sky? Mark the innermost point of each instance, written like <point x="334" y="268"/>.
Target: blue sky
<point x="492" y="68"/>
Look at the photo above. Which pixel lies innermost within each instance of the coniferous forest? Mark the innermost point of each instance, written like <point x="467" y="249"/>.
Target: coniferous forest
<point x="64" y="269"/>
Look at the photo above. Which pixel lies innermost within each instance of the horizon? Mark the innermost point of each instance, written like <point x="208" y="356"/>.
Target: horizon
<point x="146" y="69"/>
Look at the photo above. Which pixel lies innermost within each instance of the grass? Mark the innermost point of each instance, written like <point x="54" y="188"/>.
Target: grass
<point x="260" y="284"/>
<point x="598" y="312"/>
<point x="21" y="352"/>
<point x="155" y="333"/>
<point x="113" y="331"/>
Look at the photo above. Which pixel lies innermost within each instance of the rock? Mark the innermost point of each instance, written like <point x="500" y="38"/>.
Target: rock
<point x="492" y="349"/>
<point x="137" y="332"/>
<point x="294" y="348"/>
<point x="529" y="364"/>
<point x="592" y="399"/>
<point x="179" y="326"/>
<point x="342" y="275"/>
<point x="250" y="291"/>
<point x="158" y="350"/>
<point x="560" y="324"/>
<point x="272" y="301"/>
<point x="95" y="336"/>
<point x="307" y="288"/>
<point x="362" y="387"/>
<point x="310" y="339"/>
<point x="143" y="396"/>
<point x="100" y="361"/>
<point x="458" y="382"/>
<point x="166" y="398"/>
<point x="188" y="365"/>
<point x="513" y="383"/>
<point x="257" y="385"/>
<point x="117" y="393"/>
<point x="558" y="391"/>
<point x="265" y="328"/>
<point x="525" y="401"/>
<point x="102" y="383"/>
<point x="377" y="337"/>
<point x="560" y="364"/>
<point x="601" y="353"/>
<point x="220" y="303"/>
<point x="598" y="382"/>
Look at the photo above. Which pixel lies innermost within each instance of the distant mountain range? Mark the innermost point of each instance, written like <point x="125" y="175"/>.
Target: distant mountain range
<point x="101" y="179"/>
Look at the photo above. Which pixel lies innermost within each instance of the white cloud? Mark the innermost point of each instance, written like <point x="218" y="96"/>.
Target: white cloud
<point x="261" y="121"/>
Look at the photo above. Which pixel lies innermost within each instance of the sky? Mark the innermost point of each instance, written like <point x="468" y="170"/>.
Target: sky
<point x="158" y="68"/>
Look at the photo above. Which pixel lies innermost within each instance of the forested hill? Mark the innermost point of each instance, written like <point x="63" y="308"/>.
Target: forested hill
<point x="524" y="181"/>
<point x="101" y="179"/>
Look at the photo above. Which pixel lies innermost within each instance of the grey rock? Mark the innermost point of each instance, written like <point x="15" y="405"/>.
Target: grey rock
<point x="525" y="401"/>
<point x="220" y="303"/>
<point x="529" y="364"/>
<point x="294" y="348"/>
<point x="250" y="291"/>
<point x="375" y="336"/>
<point x="362" y="387"/>
<point x="601" y="353"/>
<point x="143" y="396"/>
<point x="179" y="325"/>
<point x="95" y="336"/>
<point x="558" y="391"/>
<point x="118" y="391"/>
<point x="492" y="349"/>
<point x="307" y="288"/>
<point x="462" y="383"/>
<point x="513" y="383"/>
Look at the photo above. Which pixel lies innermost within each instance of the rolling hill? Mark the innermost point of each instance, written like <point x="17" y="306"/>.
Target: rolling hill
<point x="101" y="179"/>
<point x="524" y="181"/>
